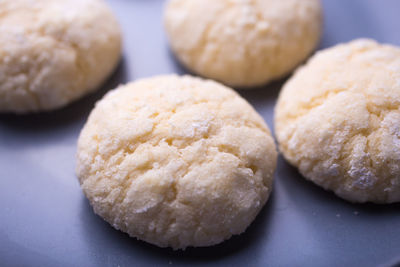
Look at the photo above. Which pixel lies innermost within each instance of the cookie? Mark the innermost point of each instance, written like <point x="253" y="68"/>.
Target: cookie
<point x="53" y="52"/>
<point x="176" y="161"/>
<point x="338" y="120"/>
<point x="243" y="43"/>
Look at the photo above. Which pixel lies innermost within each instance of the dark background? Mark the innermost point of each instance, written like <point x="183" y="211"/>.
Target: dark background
<point x="46" y="221"/>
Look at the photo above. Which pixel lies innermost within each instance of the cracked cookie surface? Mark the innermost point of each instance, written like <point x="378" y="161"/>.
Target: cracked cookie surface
<point x="54" y="51"/>
<point x="338" y="120"/>
<point x="243" y="43"/>
<point x="176" y="161"/>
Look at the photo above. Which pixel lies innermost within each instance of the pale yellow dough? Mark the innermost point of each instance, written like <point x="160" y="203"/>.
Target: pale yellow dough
<point x="176" y="161"/>
<point x="338" y="121"/>
<point x="54" y="51"/>
<point x="243" y="43"/>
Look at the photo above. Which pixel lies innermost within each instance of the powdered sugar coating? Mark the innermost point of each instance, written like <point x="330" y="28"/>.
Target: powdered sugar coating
<point x="243" y="43"/>
<point x="338" y="120"/>
<point x="54" y="51"/>
<point x="176" y="161"/>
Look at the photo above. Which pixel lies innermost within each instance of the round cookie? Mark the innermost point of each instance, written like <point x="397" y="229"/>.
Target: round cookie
<point x="338" y="120"/>
<point x="176" y="161"/>
<point x="54" y="51"/>
<point x="243" y="43"/>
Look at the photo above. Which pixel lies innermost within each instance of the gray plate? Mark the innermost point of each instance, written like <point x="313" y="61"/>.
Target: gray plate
<point x="46" y="221"/>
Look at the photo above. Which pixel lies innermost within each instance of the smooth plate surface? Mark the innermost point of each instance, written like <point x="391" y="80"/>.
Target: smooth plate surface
<point x="46" y="221"/>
